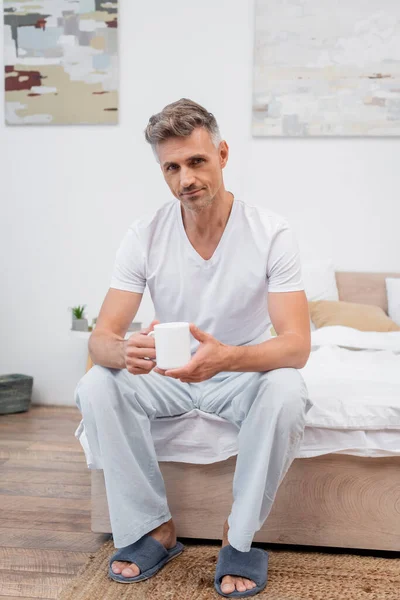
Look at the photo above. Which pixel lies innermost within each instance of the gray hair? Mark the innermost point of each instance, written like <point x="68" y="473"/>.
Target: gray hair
<point x="179" y="119"/>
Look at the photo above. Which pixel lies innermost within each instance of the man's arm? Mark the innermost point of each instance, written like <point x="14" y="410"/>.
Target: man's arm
<point x="291" y="348"/>
<point x="106" y="344"/>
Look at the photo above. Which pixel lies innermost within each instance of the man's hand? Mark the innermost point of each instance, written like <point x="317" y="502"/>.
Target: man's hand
<point x="138" y="349"/>
<point x="209" y="359"/>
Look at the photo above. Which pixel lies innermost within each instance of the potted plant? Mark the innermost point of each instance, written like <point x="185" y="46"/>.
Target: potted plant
<point x="79" y="322"/>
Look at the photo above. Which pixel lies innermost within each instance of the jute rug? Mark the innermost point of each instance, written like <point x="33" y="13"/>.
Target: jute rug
<point x="291" y="576"/>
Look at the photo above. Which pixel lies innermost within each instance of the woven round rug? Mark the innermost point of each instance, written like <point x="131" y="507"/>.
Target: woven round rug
<point x="292" y="575"/>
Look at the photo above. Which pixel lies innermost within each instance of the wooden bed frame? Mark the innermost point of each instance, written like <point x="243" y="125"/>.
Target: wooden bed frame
<point x="331" y="500"/>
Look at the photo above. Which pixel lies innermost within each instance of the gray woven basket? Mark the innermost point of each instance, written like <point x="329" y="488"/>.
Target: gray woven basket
<point x="15" y="393"/>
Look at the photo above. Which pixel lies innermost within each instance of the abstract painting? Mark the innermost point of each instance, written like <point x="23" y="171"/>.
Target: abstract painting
<point x="326" y="68"/>
<point x="61" y="62"/>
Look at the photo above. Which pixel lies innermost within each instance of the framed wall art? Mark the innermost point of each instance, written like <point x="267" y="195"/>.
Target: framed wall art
<point x="61" y="62"/>
<point x="326" y="68"/>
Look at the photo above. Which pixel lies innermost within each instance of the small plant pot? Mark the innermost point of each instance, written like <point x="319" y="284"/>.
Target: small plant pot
<point x="15" y="393"/>
<point x="80" y="325"/>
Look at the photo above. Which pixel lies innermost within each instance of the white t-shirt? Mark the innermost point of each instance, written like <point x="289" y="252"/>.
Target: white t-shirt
<point x="226" y="295"/>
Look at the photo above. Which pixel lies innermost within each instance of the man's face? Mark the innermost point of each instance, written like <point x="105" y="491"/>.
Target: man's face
<point x="193" y="164"/>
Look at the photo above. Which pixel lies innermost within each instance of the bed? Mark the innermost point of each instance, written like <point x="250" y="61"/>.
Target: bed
<point x="343" y="488"/>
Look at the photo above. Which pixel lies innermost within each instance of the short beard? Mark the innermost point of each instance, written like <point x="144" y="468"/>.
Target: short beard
<point x="195" y="207"/>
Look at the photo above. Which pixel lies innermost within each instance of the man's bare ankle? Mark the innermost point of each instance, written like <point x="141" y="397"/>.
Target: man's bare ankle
<point x="168" y="525"/>
<point x="165" y="530"/>
<point x="225" y="534"/>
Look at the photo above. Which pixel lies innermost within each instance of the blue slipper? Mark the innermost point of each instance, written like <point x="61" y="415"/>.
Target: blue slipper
<point x="148" y="554"/>
<point x="252" y="565"/>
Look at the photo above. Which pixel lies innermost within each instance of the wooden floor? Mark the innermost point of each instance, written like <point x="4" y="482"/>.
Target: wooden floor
<point x="45" y="534"/>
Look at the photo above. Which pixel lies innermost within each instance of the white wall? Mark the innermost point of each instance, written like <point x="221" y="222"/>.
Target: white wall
<point x="68" y="194"/>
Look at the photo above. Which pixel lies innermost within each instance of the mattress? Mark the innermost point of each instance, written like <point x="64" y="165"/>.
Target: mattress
<point x="353" y="379"/>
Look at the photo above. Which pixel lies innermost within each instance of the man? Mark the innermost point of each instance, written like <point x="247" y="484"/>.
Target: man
<point x="230" y="270"/>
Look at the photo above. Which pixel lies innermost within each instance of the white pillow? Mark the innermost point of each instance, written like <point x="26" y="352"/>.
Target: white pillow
<point x="393" y="296"/>
<point x="319" y="280"/>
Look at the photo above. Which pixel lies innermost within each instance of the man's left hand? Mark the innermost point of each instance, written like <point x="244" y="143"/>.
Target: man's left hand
<point x="209" y="359"/>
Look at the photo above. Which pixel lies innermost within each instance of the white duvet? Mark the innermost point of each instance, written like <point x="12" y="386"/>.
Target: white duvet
<point x="353" y="378"/>
<point x="347" y="337"/>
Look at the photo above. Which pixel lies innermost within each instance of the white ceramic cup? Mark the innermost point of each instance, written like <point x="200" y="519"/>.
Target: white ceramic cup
<point x="172" y="342"/>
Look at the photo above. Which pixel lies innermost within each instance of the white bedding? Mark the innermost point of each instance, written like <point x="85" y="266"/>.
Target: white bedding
<point x="356" y="396"/>
<point x="355" y="388"/>
<point x="347" y="337"/>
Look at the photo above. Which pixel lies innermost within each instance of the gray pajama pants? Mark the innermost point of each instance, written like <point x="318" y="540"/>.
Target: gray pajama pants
<point x="269" y="408"/>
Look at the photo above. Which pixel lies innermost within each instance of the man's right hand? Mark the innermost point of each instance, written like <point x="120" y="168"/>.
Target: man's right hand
<point x="139" y="347"/>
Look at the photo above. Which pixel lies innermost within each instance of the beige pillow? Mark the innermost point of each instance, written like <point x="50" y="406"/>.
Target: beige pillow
<point x="365" y="317"/>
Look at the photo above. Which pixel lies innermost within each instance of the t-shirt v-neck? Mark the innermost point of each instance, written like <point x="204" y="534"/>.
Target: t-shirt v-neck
<point x="227" y="295"/>
<point x="190" y="248"/>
